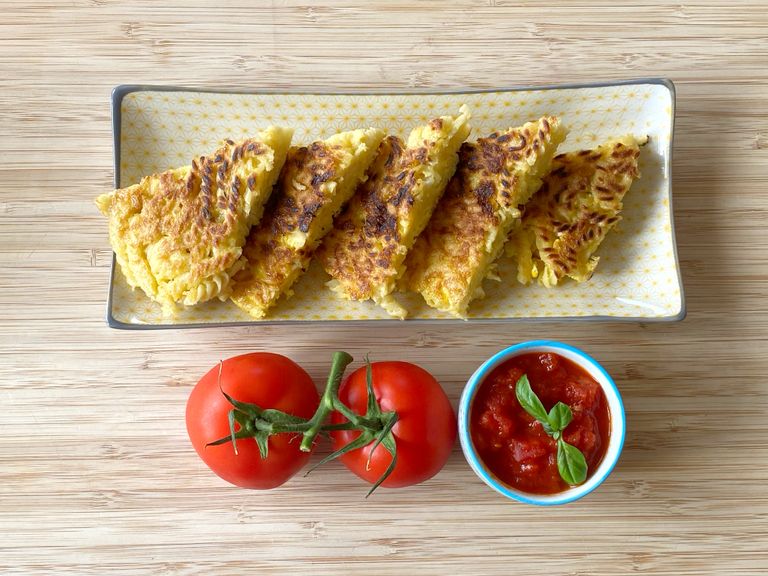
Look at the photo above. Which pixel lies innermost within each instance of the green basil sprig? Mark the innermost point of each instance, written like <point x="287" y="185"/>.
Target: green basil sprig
<point x="570" y="461"/>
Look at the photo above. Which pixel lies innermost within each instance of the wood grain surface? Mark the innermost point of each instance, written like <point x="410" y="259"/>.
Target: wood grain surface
<point x="96" y="474"/>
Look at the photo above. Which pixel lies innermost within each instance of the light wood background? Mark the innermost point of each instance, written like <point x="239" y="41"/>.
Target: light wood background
<point x="96" y="474"/>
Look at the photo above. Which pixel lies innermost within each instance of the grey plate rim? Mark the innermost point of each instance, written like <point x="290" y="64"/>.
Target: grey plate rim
<point x="122" y="90"/>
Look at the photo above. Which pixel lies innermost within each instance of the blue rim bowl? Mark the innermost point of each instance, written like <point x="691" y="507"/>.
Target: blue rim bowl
<point x="615" y="405"/>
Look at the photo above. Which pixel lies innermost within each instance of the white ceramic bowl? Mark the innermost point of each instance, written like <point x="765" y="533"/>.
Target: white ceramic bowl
<point x="615" y="405"/>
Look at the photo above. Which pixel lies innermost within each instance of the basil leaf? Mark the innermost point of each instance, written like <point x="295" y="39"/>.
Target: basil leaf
<point x="559" y="417"/>
<point x="571" y="463"/>
<point x="529" y="401"/>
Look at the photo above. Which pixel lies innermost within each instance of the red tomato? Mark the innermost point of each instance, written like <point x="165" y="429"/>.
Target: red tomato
<point x="269" y="381"/>
<point x="424" y="433"/>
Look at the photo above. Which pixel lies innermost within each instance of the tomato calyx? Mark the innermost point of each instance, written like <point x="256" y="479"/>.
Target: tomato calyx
<point x="375" y="426"/>
<point x="257" y="423"/>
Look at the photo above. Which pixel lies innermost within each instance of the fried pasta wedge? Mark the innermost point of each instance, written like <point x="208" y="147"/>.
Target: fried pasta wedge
<point x="315" y="183"/>
<point x="365" y="253"/>
<point x="495" y="177"/>
<point x="179" y="235"/>
<point x="580" y="201"/>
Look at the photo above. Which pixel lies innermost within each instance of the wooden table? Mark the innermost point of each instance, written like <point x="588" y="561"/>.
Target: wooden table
<point x="96" y="473"/>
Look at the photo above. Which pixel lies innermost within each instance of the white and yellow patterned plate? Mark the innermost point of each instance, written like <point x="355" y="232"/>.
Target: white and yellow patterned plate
<point x="156" y="128"/>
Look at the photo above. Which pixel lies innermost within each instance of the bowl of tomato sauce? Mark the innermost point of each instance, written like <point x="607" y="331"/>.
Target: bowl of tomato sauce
<point x="519" y="438"/>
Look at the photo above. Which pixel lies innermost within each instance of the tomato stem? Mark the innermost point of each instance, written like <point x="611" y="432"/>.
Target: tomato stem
<point x="272" y="428"/>
<point x="375" y="426"/>
<point x="329" y="401"/>
<point x="341" y="426"/>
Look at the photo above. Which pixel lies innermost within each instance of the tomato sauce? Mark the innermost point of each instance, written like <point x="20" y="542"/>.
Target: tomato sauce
<point x="513" y="445"/>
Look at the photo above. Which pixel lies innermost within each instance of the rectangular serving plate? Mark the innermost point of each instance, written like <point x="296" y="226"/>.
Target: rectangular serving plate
<point x="638" y="279"/>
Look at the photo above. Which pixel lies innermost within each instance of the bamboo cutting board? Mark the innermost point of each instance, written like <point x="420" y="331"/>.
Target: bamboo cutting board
<point x="96" y="473"/>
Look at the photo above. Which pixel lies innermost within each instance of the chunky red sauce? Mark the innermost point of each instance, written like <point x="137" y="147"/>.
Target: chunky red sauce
<point x="513" y="445"/>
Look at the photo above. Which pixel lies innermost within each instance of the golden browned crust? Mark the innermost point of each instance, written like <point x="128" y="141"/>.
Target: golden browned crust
<point x="495" y="177"/>
<point x="365" y="253"/>
<point x="578" y="204"/>
<point x="284" y="213"/>
<point x="178" y="234"/>
<point x="316" y="181"/>
<point x="305" y="171"/>
<point x="364" y="260"/>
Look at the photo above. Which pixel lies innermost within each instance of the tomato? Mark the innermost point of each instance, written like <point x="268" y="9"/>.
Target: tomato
<point x="269" y="381"/>
<point x="424" y="433"/>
